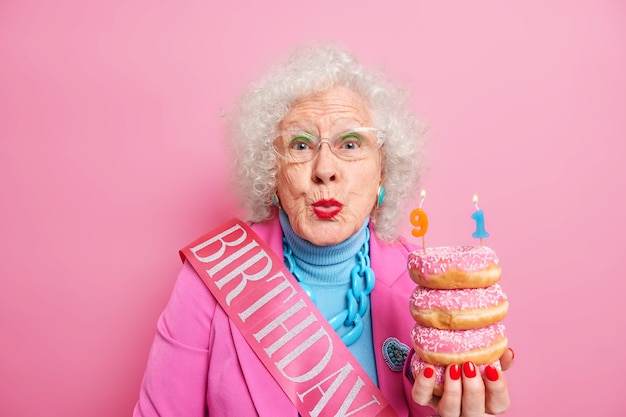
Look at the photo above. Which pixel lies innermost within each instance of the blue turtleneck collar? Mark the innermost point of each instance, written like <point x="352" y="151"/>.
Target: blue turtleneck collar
<point x="321" y="263"/>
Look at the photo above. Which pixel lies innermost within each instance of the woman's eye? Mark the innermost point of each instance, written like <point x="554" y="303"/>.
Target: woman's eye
<point x="351" y="141"/>
<point x="300" y="143"/>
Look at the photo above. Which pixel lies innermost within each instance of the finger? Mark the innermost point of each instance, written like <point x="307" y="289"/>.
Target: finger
<point x="450" y="402"/>
<point x="423" y="387"/>
<point x="497" y="399"/>
<point x="473" y="398"/>
<point x="506" y="361"/>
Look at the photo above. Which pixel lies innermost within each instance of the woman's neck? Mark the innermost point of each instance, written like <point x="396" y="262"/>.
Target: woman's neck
<point x="318" y="262"/>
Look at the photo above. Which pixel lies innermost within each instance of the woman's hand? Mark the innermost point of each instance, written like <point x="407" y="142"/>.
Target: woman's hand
<point x="465" y="393"/>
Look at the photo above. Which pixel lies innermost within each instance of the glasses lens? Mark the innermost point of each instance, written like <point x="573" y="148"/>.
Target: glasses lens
<point x="295" y="145"/>
<point x="357" y="143"/>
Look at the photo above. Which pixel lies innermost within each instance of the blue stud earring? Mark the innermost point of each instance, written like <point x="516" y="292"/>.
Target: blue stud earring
<point x="275" y="200"/>
<point x="380" y="197"/>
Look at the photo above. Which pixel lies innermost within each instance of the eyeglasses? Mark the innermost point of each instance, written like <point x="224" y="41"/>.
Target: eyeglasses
<point x="349" y="145"/>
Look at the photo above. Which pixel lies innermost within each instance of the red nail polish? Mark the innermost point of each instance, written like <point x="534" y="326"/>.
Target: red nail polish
<point x="469" y="369"/>
<point x="491" y="373"/>
<point x="428" y="372"/>
<point x="455" y="372"/>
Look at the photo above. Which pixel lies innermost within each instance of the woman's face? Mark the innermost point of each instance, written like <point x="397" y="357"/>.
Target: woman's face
<point x="327" y="199"/>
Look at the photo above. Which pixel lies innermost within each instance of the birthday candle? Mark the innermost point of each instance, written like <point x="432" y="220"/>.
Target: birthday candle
<point x="479" y="217"/>
<point x="419" y="219"/>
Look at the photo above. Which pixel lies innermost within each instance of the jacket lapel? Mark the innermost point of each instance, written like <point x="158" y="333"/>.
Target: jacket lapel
<point x="390" y="314"/>
<point x="267" y="396"/>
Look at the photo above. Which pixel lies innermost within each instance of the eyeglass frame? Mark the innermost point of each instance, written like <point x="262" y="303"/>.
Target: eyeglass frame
<point x="379" y="133"/>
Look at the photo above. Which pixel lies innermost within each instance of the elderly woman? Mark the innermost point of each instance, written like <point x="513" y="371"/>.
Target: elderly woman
<point x="328" y="158"/>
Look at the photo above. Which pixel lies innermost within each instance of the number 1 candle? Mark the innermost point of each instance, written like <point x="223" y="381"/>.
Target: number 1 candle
<point x="419" y="219"/>
<point x="479" y="217"/>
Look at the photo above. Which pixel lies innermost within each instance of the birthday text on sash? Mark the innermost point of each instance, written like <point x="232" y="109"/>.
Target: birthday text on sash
<point x="292" y="339"/>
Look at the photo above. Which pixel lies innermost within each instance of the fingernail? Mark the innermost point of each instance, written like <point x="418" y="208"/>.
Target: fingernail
<point x="428" y="372"/>
<point x="455" y="372"/>
<point x="491" y="373"/>
<point x="469" y="369"/>
<point x="512" y="353"/>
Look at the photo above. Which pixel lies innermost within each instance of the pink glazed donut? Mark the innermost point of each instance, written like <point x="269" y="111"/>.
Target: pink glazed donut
<point x="459" y="309"/>
<point x="417" y="364"/>
<point x="444" y="347"/>
<point x="451" y="267"/>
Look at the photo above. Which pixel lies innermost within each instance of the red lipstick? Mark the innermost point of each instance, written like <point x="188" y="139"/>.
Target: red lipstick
<point x="327" y="209"/>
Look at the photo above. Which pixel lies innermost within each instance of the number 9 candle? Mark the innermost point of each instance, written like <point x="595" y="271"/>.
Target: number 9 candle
<point x="479" y="217"/>
<point x="419" y="219"/>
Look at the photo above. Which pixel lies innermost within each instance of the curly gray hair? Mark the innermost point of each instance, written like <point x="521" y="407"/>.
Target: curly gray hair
<point x="310" y="70"/>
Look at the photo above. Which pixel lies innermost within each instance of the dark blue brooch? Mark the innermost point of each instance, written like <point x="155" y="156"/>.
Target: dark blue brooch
<point x="395" y="353"/>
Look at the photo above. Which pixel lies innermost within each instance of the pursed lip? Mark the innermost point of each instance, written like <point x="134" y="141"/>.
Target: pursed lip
<point x="327" y="209"/>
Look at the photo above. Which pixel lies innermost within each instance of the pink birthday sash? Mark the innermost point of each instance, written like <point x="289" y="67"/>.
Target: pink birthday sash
<point x="286" y="331"/>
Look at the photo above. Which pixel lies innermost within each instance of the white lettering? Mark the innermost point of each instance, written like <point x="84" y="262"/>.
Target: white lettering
<point x="342" y="375"/>
<point x="241" y="269"/>
<point x="232" y="257"/>
<point x="350" y="399"/>
<point x="221" y="237"/>
<point x="301" y="349"/>
<point x="268" y="296"/>
<point x="279" y="321"/>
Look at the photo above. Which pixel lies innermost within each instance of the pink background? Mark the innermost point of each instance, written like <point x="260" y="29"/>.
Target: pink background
<point x="112" y="158"/>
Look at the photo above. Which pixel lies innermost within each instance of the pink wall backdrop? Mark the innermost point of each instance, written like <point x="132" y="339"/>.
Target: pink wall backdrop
<point x="112" y="158"/>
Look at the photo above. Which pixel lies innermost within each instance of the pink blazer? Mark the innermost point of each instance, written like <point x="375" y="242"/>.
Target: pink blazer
<point x="199" y="361"/>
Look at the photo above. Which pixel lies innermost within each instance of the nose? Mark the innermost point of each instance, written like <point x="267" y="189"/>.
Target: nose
<point x="324" y="165"/>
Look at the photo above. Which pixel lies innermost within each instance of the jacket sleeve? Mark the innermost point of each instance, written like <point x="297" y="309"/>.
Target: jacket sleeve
<point x="175" y="380"/>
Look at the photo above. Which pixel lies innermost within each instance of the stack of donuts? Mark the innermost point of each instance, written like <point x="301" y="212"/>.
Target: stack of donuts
<point x="457" y="306"/>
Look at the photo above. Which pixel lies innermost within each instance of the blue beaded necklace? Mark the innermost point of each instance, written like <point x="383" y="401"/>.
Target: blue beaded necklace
<point x="358" y="295"/>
